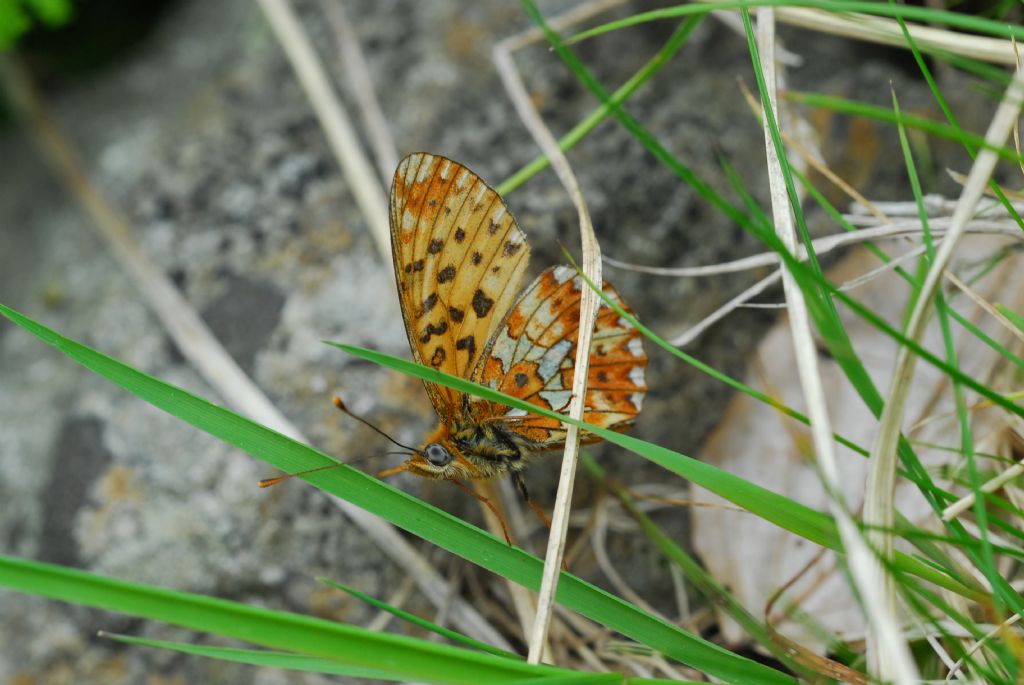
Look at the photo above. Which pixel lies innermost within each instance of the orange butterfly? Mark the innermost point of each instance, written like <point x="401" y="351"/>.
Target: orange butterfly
<point x="459" y="260"/>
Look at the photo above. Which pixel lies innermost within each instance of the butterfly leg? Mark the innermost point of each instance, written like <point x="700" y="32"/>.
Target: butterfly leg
<point x="501" y="519"/>
<point x="517" y="478"/>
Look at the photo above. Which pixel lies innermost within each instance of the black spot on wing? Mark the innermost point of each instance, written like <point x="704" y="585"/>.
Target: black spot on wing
<point x="432" y="330"/>
<point x="435" y="246"/>
<point x="428" y="304"/>
<point x="456" y="314"/>
<point x="460" y="235"/>
<point x="447" y="274"/>
<point x="481" y="303"/>
<point x="469" y="344"/>
<point x="438" y="357"/>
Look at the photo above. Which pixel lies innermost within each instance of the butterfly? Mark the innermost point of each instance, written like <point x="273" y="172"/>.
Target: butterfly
<point x="459" y="260"/>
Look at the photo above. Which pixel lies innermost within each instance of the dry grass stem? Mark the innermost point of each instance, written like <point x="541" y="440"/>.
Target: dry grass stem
<point x="955" y="671"/>
<point x="354" y="66"/>
<point x="358" y="172"/>
<point x="986" y="305"/>
<point x="887" y="32"/>
<point x="967" y="501"/>
<point x="825" y="244"/>
<point x="896" y="665"/>
<point x="589" y="303"/>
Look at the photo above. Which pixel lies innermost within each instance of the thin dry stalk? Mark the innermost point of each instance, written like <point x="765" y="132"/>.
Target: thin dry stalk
<point x="589" y="303"/>
<point x="825" y="244"/>
<point x="887" y="32"/>
<point x="898" y="665"/>
<point x="199" y="346"/>
<point x="955" y="671"/>
<point x="354" y="66"/>
<point x="967" y="501"/>
<point x="989" y="308"/>
<point x="341" y="136"/>
<point x="879" y="509"/>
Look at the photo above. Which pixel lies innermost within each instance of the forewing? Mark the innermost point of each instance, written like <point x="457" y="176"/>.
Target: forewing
<point x="459" y="259"/>
<point x="533" y="354"/>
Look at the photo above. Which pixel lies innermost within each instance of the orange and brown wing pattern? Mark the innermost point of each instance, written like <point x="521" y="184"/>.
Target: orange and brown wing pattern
<point x="459" y="260"/>
<point x="533" y="354"/>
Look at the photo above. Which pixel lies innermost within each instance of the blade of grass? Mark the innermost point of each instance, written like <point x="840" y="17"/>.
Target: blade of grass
<point x="841" y="105"/>
<point x="255" y="657"/>
<point x="421" y="622"/>
<point x="956" y="20"/>
<point x="681" y="170"/>
<point x="1012" y="316"/>
<point x="623" y="93"/>
<point x="404" y="657"/>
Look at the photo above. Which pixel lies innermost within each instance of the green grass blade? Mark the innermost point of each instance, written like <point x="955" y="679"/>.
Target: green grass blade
<point x="262" y="658"/>
<point x="402" y="656"/>
<point x="623" y="93"/>
<point x="884" y="114"/>
<point x="409" y="513"/>
<point x="699" y="185"/>
<point x="421" y="622"/>
<point x="1011" y="316"/>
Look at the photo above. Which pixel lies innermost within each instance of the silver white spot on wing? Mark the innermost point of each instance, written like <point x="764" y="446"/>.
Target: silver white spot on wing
<point x="636" y="347"/>
<point x="408" y="220"/>
<point x="563" y="273"/>
<point x="637" y="399"/>
<point x="503" y="350"/>
<point x="636" y="375"/>
<point x="422" y="173"/>
<point x="552" y="359"/>
<point x="515" y="412"/>
<point x="445" y="166"/>
<point x="461" y="179"/>
<point x="558" y="399"/>
<point x="498" y="213"/>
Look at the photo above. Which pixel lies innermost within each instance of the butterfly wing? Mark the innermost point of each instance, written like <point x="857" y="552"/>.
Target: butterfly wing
<point x="533" y="354"/>
<point x="459" y="259"/>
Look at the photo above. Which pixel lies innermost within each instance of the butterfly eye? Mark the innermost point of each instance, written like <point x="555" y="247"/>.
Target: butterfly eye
<point x="438" y="454"/>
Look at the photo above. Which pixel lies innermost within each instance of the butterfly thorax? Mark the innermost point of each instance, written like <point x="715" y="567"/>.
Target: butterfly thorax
<point x="470" y="450"/>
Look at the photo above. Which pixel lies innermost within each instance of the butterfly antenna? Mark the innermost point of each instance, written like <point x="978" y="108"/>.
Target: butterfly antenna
<point x="269" y="482"/>
<point x="341" y="406"/>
